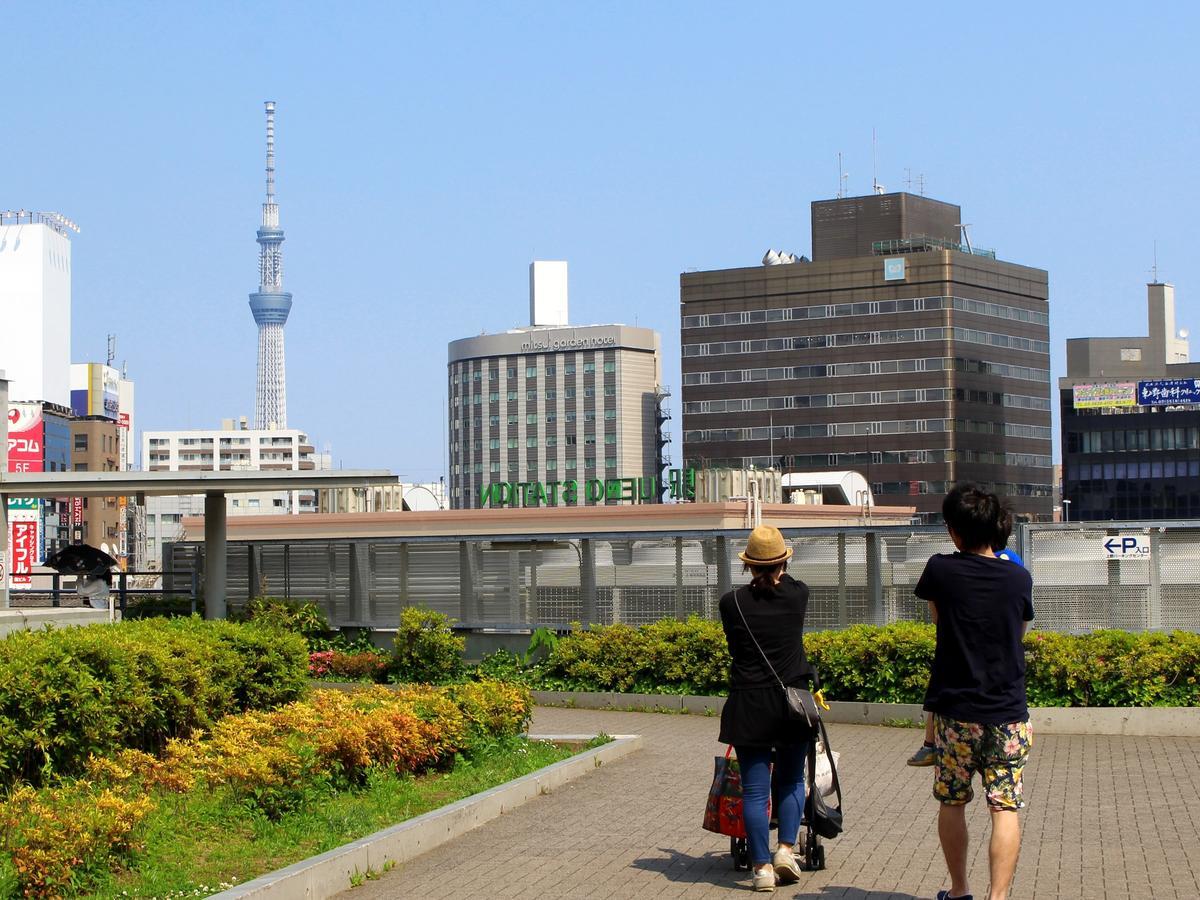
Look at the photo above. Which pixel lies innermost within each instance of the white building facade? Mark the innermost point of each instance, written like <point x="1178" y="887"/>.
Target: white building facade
<point x="35" y="305"/>
<point x="231" y="448"/>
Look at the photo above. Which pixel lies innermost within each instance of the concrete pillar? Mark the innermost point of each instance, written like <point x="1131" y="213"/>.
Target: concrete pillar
<point x="466" y="584"/>
<point x="679" y="611"/>
<point x="874" y="581"/>
<point x="587" y="581"/>
<point x="842" y="610"/>
<point x="724" y="567"/>
<point x="216" y="562"/>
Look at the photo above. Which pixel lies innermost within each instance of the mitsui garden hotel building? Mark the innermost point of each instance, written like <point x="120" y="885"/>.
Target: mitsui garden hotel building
<point x="551" y="406"/>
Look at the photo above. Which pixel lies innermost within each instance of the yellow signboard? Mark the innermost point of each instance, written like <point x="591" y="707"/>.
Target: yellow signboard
<point x="1109" y="394"/>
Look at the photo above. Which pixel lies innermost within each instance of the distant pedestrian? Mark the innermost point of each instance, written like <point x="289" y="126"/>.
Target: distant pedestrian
<point x="982" y="606"/>
<point x="927" y="753"/>
<point x="764" y="628"/>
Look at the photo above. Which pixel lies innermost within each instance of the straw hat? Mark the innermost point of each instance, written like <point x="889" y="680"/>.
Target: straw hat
<point x="765" y="547"/>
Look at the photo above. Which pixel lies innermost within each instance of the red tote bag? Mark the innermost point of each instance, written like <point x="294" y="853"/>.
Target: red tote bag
<point x="723" y="811"/>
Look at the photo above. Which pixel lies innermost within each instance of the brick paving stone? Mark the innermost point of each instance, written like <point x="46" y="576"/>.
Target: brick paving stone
<point x="1108" y="818"/>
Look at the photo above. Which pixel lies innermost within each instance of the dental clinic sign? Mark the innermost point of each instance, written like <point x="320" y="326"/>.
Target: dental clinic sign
<point x="681" y="485"/>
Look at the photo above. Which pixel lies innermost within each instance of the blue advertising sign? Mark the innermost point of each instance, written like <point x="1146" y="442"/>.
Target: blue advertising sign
<point x="893" y="269"/>
<point x="1169" y="392"/>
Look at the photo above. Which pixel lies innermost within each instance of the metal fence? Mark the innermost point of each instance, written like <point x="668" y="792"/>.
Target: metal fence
<point x="855" y="575"/>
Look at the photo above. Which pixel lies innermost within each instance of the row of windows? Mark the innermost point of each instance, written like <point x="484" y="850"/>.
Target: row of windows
<point x="1183" y="468"/>
<point x="569" y="440"/>
<point x="919" y="457"/>
<point x="863" y="338"/>
<point x="1001" y="488"/>
<point x="533" y="418"/>
<point x="531" y="396"/>
<point x="832" y="429"/>
<point x="849" y="429"/>
<point x="1133" y="440"/>
<point x="863" y="398"/>
<point x="875" y="367"/>
<point x="550" y="371"/>
<point x="549" y="465"/>
<point x="225" y="442"/>
<point x="866" y="308"/>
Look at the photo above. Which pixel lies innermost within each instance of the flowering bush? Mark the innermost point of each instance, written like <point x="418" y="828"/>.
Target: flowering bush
<point x="271" y="760"/>
<point x="69" y="694"/>
<point x="367" y="665"/>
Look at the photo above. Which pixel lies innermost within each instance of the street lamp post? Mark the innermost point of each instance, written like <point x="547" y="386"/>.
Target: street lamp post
<point x="1066" y="510"/>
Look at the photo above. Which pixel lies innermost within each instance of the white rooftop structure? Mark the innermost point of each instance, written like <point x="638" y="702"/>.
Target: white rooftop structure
<point x="547" y="293"/>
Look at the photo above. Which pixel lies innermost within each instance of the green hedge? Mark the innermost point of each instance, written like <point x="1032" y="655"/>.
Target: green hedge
<point x="888" y="664"/>
<point x="67" y="694"/>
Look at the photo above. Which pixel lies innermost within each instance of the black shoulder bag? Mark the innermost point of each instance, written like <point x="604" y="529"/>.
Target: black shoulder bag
<point x="800" y="703"/>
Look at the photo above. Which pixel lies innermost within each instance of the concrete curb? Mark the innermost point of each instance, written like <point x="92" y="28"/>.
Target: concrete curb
<point x="329" y="873"/>
<point x="1154" y="721"/>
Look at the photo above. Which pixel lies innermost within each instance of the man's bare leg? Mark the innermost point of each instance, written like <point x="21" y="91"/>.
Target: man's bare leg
<point x="1003" y="851"/>
<point x="952" y="832"/>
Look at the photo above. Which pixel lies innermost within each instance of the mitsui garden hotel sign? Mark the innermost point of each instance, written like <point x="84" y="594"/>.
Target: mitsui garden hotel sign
<point x="681" y="485"/>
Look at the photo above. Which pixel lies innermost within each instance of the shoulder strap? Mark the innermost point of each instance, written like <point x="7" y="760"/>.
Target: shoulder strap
<point x="756" y="643"/>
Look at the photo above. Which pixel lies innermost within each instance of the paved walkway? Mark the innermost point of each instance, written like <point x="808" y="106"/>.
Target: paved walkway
<point x="1108" y="818"/>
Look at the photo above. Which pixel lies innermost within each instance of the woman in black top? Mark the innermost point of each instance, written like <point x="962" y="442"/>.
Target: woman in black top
<point x="769" y="611"/>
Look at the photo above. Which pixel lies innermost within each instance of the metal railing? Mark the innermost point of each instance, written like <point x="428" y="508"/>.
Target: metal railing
<point x="177" y="585"/>
<point x="855" y="575"/>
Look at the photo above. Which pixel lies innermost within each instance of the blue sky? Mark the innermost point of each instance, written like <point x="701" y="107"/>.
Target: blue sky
<point x="427" y="153"/>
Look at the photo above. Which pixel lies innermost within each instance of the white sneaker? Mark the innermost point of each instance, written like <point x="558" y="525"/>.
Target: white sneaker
<point x="764" y="879"/>
<point x="786" y="868"/>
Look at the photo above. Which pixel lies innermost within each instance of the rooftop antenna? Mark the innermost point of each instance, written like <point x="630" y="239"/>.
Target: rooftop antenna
<point x="921" y="183"/>
<point x="1154" y="268"/>
<point x="843" y="178"/>
<point x="112" y="350"/>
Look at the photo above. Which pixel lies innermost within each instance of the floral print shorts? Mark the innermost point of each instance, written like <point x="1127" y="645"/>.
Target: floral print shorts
<point x="997" y="752"/>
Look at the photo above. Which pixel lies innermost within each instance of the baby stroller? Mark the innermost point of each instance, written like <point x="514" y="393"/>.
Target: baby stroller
<point x="813" y="825"/>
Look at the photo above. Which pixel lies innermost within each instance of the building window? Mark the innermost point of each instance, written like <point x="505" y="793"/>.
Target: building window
<point x="494" y="397"/>
<point x="253" y="503"/>
<point x="551" y="394"/>
<point x="531" y="442"/>
<point x="495" y="468"/>
<point x="81" y="467"/>
<point x="512" y="443"/>
<point x="551" y="465"/>
<point x="569" y="369"/>
<point x="512" y="371"/>
<point x="610" y="367"/>
<point x="277" y="502"/>
<point x="512" y="418"/>
<point x="551" y="370"/>
<point x="494" y="444"/>
<point x="552" y="440"/>
<point x="589" y="392"/>
<point x="531" y="395"/>
<point x="569" y="393"/>
<point x="493" y="375"/>
<point x="531" y="419"/>
<point x="81" y="442"/>
<point x="512" y="396"/>
<point x="589" y="368"/>
<point x="475" y="376"/>
<point x="571" y="465"/>
<point x="589" y="416"/>
<point x="610" y="390"/>
<point x="610" y="463"/>
<point x="610" y="414"/>
<point x="570" y="417"/>
<point x="531" y="371"/>
<point x="610" y="439"/>
<point x="551" y="418"/>
<point x="494" y="421"/>
<point x="514" y="465"/>
<point x="571" y="440"/>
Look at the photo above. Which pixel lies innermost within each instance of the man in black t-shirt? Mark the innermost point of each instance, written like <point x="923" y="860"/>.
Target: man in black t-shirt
<point x="981" y="606"/>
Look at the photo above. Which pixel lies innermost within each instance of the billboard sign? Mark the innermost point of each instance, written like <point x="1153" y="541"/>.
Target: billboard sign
<point x="893" y="269"/>
<point x="95" y="390"/>
<point x="24" y="540"/>
<point x="26" y="437"/>
<point x="1168" y="392"/>
<point x="1106" y="395"/>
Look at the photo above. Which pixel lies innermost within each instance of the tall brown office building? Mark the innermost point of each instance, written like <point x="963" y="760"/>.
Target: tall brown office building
<point x="897" y="351"/>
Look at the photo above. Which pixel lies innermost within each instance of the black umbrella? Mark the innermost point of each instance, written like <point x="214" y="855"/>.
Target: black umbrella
<point x="80" y="559"/>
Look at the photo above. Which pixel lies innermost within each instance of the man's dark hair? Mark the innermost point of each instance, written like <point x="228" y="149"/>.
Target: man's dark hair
<point x="1003" y="529"/>
<point x="976" y="516"/>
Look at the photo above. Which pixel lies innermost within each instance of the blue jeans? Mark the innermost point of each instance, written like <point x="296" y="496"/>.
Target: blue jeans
<point x="755" y="764"/>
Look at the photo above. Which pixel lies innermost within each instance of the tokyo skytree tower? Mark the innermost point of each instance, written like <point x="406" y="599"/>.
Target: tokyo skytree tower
<point x="270" y="304"/>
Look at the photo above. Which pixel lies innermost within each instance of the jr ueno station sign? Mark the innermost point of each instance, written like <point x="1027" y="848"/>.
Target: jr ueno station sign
<point x="681" y="485"/>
